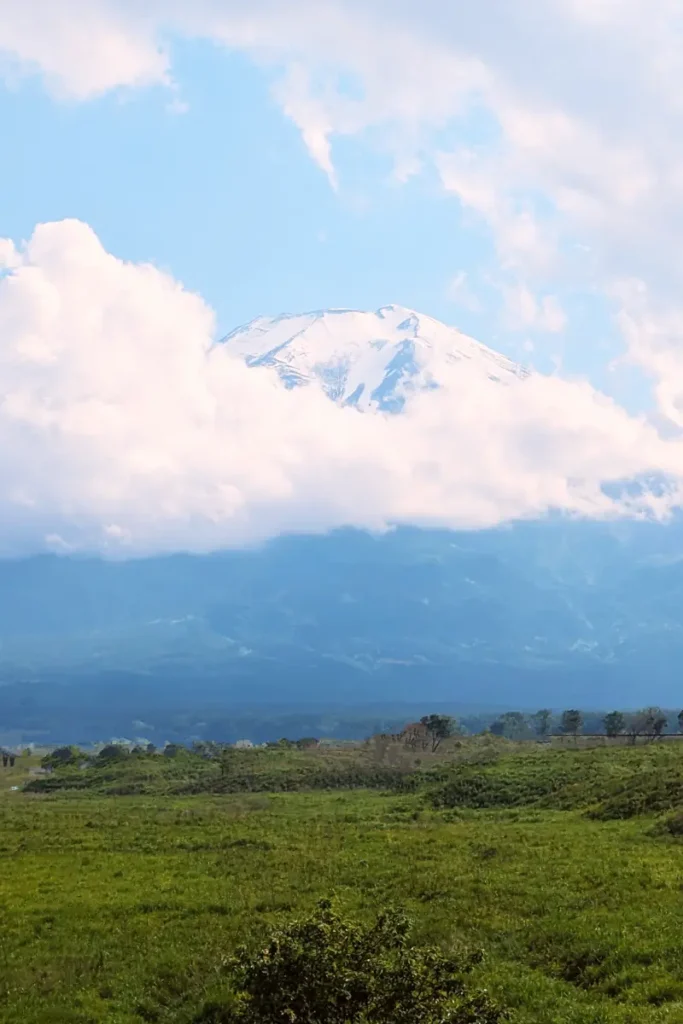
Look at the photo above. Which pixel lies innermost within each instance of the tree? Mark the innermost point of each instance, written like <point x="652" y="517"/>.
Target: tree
<point x="513" y="725"/>
<point x="540" y="722"/>
<point x="414" y="735"/>
<point x="647" y="722"/>
<point x="614" y="723"/>
<point x="307" y="743"/>
<point x="325" y="969"/>
<point x="680" y="721"/>
<point x="439" y="727"/>
<point x="61" y="757"/>
<point x="635" y="725"/>
<point x="571" y="722"/>
<point x="655" y="722"/>
<point x="112" y="752"/>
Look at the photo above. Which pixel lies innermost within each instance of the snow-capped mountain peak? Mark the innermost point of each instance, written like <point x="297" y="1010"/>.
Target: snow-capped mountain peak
<point x="370" y="360"/>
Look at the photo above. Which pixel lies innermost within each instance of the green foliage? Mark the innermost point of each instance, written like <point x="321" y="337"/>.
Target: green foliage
<point x="614" y="723"/>
<point x="172" y="750"/>
<point x="571" y="722"/>
<point x="512" y="724"/>
<point x="227" y="770"/>
<point x="307" y="743"/>
<point x="439" y="728"/>
<point x="62" y="757"/>
<point x="112" y="752"/>
<point x="121" y="911"/>
<point x="326" y="968"/>
<point x="541" y="722"/>
<point x="670" y="826"/>
<point x="608" y="783"/>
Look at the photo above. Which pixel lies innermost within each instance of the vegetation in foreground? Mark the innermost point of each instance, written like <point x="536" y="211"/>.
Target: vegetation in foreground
<point x="326" y="968"/>
<point x="133" y="908"/>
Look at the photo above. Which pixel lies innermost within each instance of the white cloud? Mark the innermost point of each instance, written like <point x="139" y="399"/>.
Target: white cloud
<point x="83" y="47"/>
<point x="525" y="311"/>
<point x="124" y="428"/>
<point x="8" y="254"/>
<point x="580" y="178"/>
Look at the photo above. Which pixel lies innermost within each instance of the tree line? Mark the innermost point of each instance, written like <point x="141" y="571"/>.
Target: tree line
<point x="650" y="722"/>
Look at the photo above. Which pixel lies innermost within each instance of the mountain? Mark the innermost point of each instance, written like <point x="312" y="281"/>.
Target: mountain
<point x="546" y="613"/>
<point x="541" y="614"/>
<point x="373" y="361"/>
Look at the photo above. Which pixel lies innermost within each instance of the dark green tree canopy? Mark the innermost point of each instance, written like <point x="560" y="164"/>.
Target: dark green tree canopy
<point x="512" y="724"/>
<point x="439" y="727"/>
<point x="112" y="752"/>
<point x="614" y="723"/>
<point x="61" y="757"/>
<point x="571" y="722"/>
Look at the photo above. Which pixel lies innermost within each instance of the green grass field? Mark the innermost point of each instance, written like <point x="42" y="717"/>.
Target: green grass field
<point x="123" y="908"/>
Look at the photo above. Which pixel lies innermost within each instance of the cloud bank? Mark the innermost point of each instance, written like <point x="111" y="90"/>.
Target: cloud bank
<point x="125" y="429"/>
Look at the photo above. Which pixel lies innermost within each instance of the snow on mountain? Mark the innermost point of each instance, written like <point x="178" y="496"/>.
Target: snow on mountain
<point x="370" y="360"/>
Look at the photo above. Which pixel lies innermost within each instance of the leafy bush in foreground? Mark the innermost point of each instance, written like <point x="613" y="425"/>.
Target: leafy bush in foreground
<point x="327" y="970"/>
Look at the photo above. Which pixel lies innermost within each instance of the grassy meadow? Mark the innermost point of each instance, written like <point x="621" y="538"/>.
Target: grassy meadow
<point x="123" y="886"/>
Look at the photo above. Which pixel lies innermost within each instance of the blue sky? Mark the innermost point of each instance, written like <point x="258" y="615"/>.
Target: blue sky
<point x="514" y="170"/>
<point x="224" y="195"/>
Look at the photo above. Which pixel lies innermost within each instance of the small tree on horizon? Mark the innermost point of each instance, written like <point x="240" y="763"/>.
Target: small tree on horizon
<point x="541" y="721"/>
<point x="679" y="719"/>
<point x="656" y="722"/>
<point x="647" y="722"/>
<point x="61" y="757"/>
<point x="439" y="728"/>
<point x="571" y="722"/>
<point x="512" y="725"/>
<point x="112" y="752"/>
<point x="614" y="723"/>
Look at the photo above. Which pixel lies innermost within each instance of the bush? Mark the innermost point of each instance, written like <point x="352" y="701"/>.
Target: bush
<point x="173" y="749"/>
<point x="328" y="969"/>
<point x="112" y="752"/>
<point x="671" y="826"/>
<point x="62" y="757"/>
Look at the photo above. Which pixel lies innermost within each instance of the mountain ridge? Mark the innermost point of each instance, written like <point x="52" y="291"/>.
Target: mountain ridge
<point x="375" y="361"/>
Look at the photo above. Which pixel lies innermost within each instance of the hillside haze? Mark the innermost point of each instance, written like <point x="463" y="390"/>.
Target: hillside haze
<point x="549" y="612"/>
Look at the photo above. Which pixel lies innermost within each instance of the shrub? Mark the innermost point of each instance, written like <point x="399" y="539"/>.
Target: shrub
<point x="62" y="757"/>
<point x="671" y="826"/>
<point x="327" y="969"/>
<point x="112" y="752"/>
